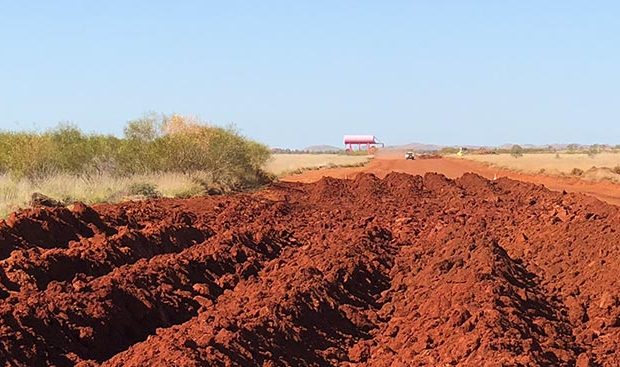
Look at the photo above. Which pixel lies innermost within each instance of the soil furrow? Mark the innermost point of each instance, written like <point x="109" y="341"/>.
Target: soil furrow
<point x="95" y="256"/>
<point x="315" y="317"/>
<point x="405" y="270"/>
<point x="94" y="319"/>
<point x="49" y="228"/>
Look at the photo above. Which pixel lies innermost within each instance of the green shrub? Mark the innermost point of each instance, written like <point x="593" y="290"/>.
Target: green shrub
<point x="577" y="172"/>
<point x="144" y="189"/>
<point x="594" y="150"/>
<point x="516" y="151"/>
<point x="152" y="144"/>
<point x="145" y="129"/>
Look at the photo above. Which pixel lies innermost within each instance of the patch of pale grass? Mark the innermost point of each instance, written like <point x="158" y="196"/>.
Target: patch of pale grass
<point x="552" y="163"/>
<point x="15" y="194"/>
<point x="281" y="164"/>
<point x="170" y="185"/>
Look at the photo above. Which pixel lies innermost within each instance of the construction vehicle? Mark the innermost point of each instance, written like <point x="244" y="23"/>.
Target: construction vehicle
<point x="410" y="155"/>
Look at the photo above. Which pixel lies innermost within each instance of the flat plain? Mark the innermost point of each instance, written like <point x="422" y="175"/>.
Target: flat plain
<point x="280" y="164"/>
<point x="597" y="166"/>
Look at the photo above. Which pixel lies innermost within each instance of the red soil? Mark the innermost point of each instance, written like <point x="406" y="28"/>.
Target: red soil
<point x="454" y="168"/>
<point x="400" y="271"/>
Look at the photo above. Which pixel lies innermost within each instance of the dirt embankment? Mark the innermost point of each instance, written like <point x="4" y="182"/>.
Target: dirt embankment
<point x="453" y="167"/>
<point x="405" y="270"/>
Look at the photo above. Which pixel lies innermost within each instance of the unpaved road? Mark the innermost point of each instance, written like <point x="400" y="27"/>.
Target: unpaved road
<point x="454" y="168"/>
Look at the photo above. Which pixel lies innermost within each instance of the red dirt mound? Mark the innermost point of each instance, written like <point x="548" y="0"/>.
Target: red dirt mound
<point x="400" y="271"/>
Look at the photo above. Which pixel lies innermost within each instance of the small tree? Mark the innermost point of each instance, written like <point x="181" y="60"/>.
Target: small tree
<point x="516" y="151"/>
<point x="146" y="129"/>
<point x="594" y="150"/>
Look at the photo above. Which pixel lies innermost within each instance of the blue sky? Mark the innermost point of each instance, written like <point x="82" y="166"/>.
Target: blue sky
<point x="296" y="73"/>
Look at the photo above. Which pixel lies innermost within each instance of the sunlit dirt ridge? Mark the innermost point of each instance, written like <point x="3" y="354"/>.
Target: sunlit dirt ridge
<point x="405" y="270"/>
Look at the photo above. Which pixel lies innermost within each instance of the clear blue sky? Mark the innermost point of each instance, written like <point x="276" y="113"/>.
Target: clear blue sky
<point x="295" y="73"/>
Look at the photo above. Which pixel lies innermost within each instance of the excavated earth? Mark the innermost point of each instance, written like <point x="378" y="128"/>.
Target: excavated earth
<point x="400" y="271"/>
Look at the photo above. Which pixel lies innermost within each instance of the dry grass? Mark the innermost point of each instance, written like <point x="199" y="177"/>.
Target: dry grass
<point x="596" y="167"/>
<point x="15" y="194"/>
<point x="282" y="164"/>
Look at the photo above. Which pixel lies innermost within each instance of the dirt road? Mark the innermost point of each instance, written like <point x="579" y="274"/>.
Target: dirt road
<point x="453" y="168"/>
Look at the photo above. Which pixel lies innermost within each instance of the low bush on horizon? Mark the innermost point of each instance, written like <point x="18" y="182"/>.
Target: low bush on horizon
<point x="516" y="151"/>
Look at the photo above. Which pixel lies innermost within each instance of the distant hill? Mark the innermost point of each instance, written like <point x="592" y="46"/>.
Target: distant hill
<point x="416" y="147"/>
<point x="524" y="146"/>
<point x="546" y="146"/>
<point x="322" y="148"/>
<point x="421" y="147"/>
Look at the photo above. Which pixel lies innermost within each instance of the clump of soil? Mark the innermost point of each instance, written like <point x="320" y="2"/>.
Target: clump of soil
<point x="405" y="270"/>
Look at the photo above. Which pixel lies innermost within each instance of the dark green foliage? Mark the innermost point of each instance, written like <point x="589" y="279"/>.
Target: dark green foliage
<point x="144" y="189"/>
<point x="577" y="172"/>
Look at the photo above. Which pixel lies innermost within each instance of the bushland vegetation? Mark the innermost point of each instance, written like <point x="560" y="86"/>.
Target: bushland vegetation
<point x="155" y="150"/>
